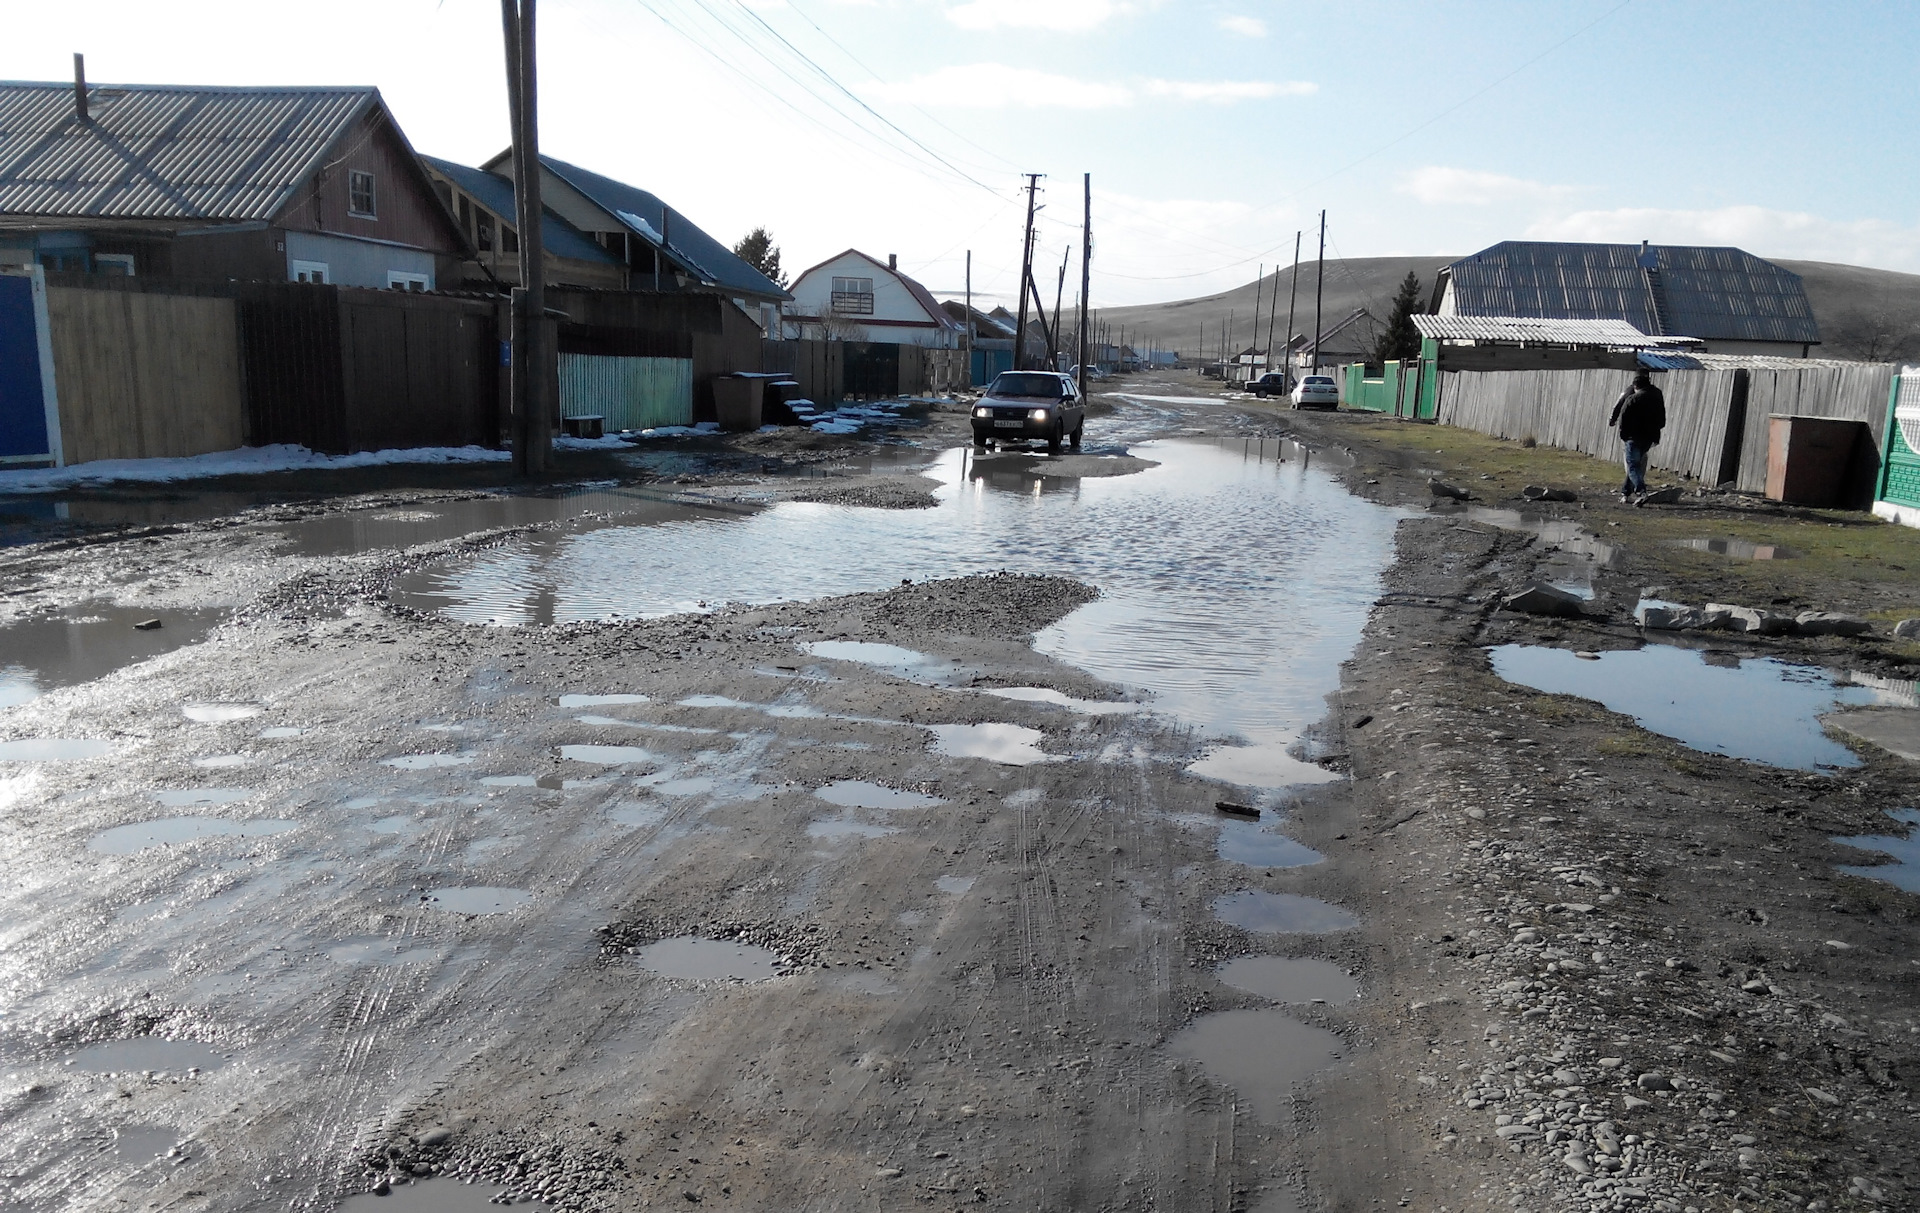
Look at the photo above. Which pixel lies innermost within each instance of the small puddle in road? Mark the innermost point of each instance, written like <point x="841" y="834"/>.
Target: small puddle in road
<point x="1759" y="709"/>
<point x="437" y="1196"/>
<point x="694" y="785"/>
<point x="221" y="762"/>
<point x="1737" y="549"/>
<point x="892" y="659"/>
<point x="481" y="899"/>
<point x="280" y="734"/>
<point x="181" y="797"/>
<point x="53" y="749"/>
<point x="88" y="642"/>
<point x="1290" y="979"/>
<point x="840" y="828"/>
<point x="694" y="958"/>
<point x="1260" y="1055"/>
<point x="1091" y="707"/>
<point x="391" y="527"/>
<point x="859" y="794"/>
<point x="426" y="762"/>
<point x="220" y="713"/>
<point x="606" y="755"/>
<point x="379" y="952"/>
<point x="955" y="885"/>
<point x="791" y="711"/>
<point x="129" y="840"/>
<point x="1904" y="873"/>
<point x="1574" y="552"/>
<point x="600" y="701"/>
<point x="143" y="1143"/>
<point x="1247" y="842"/>
<point x="1009" y="744"/>
<point x="1281" y="913"/>
<point x="146" y="1053"/>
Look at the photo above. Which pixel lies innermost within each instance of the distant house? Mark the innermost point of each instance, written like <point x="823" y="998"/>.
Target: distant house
<point x="1726" y="297"/>
<point x="482" y="203"/>
<point x="653" y="246"/>
<point x="247" y="184"/>
<point x="859" y="298"/>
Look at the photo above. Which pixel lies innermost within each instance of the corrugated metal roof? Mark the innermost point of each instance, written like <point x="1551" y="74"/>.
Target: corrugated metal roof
<point x="495" y="193"/>
<point x="685" y="242"/>
<point x="1717" y="294"/>
<point x="1610" y="333"/>
<point x="165" y="152"/>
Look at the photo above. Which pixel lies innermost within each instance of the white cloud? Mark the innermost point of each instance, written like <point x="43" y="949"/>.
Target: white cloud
<point x="1763" y="232"/>
<point x="1000" y="86"/>
<point x="1467" y="187"/>
<point x="1223" y="91"/>
<point x="1031" y="14"/>
<point x="1246" y="27"/>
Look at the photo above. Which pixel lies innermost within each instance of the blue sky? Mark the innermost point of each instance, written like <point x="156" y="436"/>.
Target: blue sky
<point x="1213" y="130"/>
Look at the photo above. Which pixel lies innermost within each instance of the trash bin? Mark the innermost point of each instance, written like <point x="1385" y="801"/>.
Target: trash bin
<point x="737" y="401"/>
<point x="584" y="427"/>
<point x="1808" y="458"/>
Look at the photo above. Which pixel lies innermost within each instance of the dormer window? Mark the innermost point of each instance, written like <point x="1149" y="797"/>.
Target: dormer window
<point x="360" y="199"/>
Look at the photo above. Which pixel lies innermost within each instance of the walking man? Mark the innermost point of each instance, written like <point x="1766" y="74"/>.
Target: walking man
<point x="1641" y="413"/>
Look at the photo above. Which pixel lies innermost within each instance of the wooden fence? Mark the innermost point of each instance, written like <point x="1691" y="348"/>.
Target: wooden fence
<point x="143" y="376"/>
<point x="1716" y="416"/>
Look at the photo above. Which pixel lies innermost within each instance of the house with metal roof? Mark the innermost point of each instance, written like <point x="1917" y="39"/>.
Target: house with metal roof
<point x="224" y="184"/>
<point x="857" y="297"/>
<point x="484" y="206"/>
<point x="1733" y="301"/>
<point x="657" y="247"/>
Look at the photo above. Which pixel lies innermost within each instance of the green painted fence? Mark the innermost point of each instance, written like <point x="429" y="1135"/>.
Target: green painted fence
<point x="631" y="393"/>
<point x="1404" y="389"/>
<point x="1898" y="497"/>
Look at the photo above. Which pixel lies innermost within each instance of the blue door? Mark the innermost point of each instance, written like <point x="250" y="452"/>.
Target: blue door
<point x="29" y="422"/>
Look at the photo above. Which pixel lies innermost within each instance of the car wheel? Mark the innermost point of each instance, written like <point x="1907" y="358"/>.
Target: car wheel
<point x="979" y="443"/>
<point x="1053" y="439"/>
<point x="1077" y="431"/>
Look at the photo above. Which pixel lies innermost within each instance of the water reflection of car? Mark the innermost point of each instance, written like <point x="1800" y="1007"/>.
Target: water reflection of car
<point x="1030" y="406"/>
<point x="1316" y="392"/>
<point x="1273" y="383"/>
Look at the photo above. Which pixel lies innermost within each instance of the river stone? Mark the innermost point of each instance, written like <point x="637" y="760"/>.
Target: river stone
<point x="1666" y="496"/>
<point x="1440" y="488"/>
<point x="1754" y="619"/>
<point x="1829" y="623"/>
<point x="1907" y="629"/>
<point x="1536" y="598"/>
<point x="1658" y="618"/>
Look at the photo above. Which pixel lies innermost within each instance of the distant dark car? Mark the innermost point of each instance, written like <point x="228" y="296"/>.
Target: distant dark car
<point x="1030" y="406"/>
<point x="1273" y="383"/>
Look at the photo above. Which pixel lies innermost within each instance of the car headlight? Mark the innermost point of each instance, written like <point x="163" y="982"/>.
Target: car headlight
<point x="983" y="412"/>
<point x="1038" y="415"/>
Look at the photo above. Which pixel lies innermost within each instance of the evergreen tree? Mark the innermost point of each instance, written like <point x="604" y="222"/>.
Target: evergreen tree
<point x="758" y="250"/>
<point x="1400" y="340"/>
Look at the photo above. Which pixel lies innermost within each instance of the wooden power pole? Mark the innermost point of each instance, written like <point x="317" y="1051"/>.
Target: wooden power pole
<point x="1086" y="256"/>
<point x="1026" y="277"/>
<point x="1319" y="290"/>
<point x="1293" y="295"/>
<point x="532" y="392"/>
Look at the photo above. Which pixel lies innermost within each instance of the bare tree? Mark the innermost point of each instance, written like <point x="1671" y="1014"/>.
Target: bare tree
<point x="1877" y="336"/>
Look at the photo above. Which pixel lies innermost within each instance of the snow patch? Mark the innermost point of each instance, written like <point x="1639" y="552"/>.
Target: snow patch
<point x="246" y="461"/>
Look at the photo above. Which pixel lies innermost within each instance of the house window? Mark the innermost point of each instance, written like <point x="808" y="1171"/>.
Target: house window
<point x="360" y="195"/>
<point x="400" y="280"/>
<point x="483" y="231"/>
<point x="509" y="239"/>
<point x="853" y="296"/>
<point x="113" y="265"/>
<point x="309" y="271"/>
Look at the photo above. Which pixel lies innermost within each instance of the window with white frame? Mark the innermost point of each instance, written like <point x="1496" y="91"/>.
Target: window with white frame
<point x="360" y="199"/>
<point x="307" y="271"/>
<point x="400" y="280"/>
<point x="113" y="264"/>
<point x="853" y="296"/>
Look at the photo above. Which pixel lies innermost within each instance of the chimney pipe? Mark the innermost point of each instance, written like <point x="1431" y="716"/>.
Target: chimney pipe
<point x="80" y="86"/>
<point x="893" y="261"/>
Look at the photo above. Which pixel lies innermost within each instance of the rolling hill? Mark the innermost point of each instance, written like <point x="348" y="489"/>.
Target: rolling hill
<point x="1866" y="314"/>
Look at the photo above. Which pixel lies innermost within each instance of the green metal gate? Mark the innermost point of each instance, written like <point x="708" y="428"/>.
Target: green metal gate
<point x="1898" y="497"/>
<point x="631" y="393"/>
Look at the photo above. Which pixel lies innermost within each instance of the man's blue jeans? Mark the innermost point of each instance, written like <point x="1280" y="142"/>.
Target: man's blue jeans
<point x="1635" y="454"/>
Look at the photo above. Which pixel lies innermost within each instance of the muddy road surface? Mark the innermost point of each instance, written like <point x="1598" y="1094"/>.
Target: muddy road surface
<point x="793" y="822"/>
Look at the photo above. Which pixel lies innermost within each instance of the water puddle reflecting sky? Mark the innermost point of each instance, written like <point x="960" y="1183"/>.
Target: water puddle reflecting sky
<point x="1281" y="913"/>
<point x="1261" y="1055"/>
<point x="1233" y="582"/>
<point x="1904" y="872"/>
<point x="1760" y="709"/>
<point x="1290" y="979"/>
<point x="692" y="958"/>
<point x="87" y="642"/>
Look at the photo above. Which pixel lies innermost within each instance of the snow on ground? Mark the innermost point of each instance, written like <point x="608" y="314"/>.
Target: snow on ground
<point x="245" y="461"/>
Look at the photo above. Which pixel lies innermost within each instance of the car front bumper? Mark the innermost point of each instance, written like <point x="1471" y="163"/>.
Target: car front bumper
<point x="1004" y="425"/>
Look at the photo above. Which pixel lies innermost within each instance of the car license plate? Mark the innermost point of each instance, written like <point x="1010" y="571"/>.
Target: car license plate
<point x="1008" y="425"/>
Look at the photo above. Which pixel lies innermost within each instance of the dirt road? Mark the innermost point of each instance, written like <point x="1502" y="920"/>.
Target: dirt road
<point x="645" y="899"/>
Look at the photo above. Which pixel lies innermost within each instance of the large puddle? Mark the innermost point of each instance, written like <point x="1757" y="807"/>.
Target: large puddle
<point x="132" y="839"/>
<point x="1281" y="913"/>
<point x="860" y="794"/>
<point x="88" y="642"/>
<point x="392" y="527"/>
<point x="1759" y="709"/>
<point x="147" y="1053"/>
<point x="1234" y="578"/>
<point x="1904" y="872"/>
<point x="1261" y="1055"/>
<point x="695" y="959"/>
<point x="1290" y="979"/>
<point x="436" y="1196"/>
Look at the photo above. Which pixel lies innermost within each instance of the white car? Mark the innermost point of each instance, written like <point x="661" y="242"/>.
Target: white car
<point x="1316" y="392"/>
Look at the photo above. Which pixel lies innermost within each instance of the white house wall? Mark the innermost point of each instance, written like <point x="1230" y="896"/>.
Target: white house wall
<point x="892" y="301"/>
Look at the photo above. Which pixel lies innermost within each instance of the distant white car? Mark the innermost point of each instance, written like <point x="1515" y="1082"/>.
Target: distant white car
<point x="1316" y="392"/>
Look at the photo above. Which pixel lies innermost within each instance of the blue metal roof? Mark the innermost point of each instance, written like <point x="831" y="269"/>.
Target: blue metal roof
<point x="1724" y="294"/>
<point x="495" y="193"/>
<point x="685" y="243"/>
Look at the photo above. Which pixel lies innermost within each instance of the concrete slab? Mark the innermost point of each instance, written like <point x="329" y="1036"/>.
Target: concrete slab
<point x="1895" y="730"/>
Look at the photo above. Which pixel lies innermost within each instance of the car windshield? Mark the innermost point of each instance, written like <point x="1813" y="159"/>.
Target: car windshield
<point x="1027" y="383"/>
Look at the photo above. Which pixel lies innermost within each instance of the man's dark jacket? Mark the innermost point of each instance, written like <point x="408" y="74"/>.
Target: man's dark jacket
<point x="1641" y="413"/>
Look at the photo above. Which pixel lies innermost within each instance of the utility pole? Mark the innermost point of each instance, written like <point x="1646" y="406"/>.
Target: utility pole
<point x="1059" y="290"/>
<point x="1086" y="256"/>
<point x="531" y="389"/>
<point x="1293" y="294"/>
<point x="1026" y="277"/>
<point x="1319" y="290"/>
<point x="1259" y="282"/>
<point x="1274" y="307"/>
<point x="969" y="325"/>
